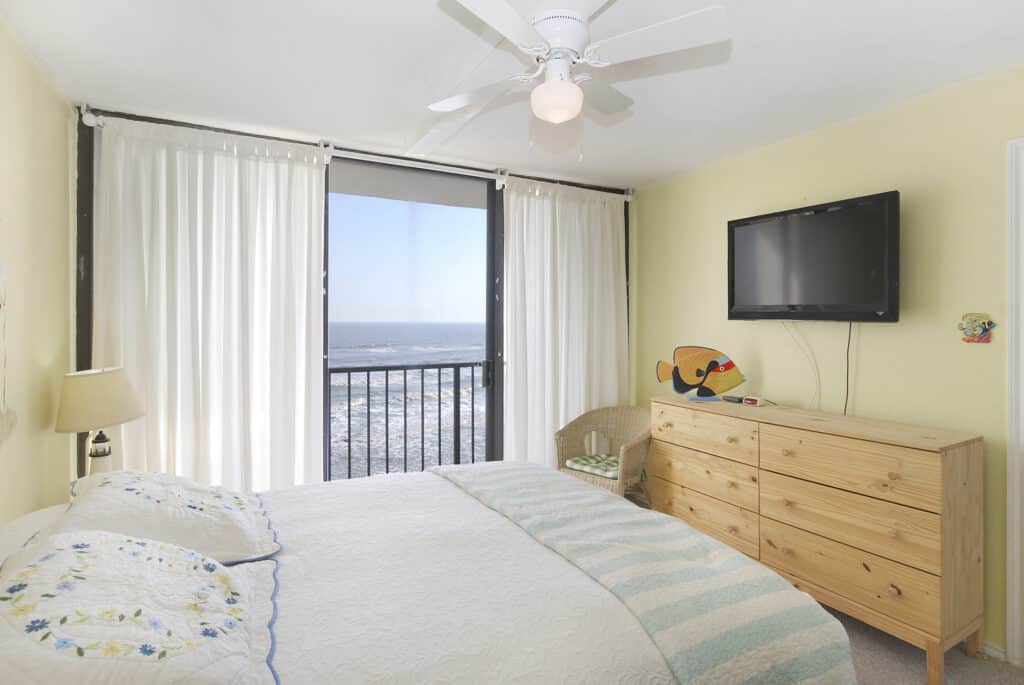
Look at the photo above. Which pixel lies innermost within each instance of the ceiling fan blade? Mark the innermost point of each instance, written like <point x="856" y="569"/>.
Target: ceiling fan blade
<point x="709" y="25"/>
<point x="448" y="126"/>
<point x="604" y="98"/>
<point x="476" y="96"/>
<point x="504" y="19"/>
<point x="588" y="8"/>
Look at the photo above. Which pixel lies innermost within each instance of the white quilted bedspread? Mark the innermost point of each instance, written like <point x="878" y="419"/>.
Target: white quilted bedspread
<point x="406" y="579"/>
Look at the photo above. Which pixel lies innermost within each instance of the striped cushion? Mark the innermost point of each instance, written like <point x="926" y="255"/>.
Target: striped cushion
<point x="604" y="465"/>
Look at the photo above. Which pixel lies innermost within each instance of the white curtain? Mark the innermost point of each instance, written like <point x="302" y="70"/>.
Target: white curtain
<point x="565" y="311"/>
<point x="208" y="277"/>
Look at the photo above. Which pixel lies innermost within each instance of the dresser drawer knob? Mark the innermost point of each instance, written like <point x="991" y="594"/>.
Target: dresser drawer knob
<point x="895" y="591"/>
<point x="893" y="475"/>
<point x="787" y="502"/>
<point x="732" y="440"/>
<point x="787" y="452"/>
<point x="734" y="530"/>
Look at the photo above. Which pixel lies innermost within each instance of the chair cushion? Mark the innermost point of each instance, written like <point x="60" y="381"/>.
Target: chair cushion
<point x="604" y="465"/>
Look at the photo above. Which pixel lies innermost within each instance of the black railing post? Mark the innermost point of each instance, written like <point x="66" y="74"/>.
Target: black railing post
<point x="369" y="423"/>
<point x="472" y="414"/>
<point x="348" y="386"/>
<point x="405" y="421"/>
<point x="457" y="414"/>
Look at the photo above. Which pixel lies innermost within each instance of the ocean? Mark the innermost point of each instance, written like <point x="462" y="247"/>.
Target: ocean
<point x="388" y="421"/>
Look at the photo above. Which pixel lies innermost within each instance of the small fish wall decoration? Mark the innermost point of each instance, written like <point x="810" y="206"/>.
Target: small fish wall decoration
<point x="976" y="327"/>
<point x="707" y="370"/>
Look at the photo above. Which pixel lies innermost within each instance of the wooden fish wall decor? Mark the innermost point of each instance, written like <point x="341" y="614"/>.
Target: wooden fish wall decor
<point x="707" y="370"/>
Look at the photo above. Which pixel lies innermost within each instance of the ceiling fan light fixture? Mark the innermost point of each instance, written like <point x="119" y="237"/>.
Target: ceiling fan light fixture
<point x="556" y="101"/>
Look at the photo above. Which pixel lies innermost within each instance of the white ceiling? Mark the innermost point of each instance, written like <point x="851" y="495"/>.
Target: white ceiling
<point x="361" y="73"/>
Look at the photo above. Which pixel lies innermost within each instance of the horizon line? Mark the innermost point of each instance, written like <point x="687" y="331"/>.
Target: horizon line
<point x="329" y="321"/>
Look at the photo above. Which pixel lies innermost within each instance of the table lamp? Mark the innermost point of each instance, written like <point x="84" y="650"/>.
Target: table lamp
<point x="94" y="400"/>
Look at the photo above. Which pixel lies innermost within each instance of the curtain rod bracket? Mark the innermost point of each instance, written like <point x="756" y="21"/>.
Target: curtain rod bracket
<point x="89" y="118"/>
<point x="502" y="179"/>
<point x="328" y="149"/>
<point x="629" y="194"/>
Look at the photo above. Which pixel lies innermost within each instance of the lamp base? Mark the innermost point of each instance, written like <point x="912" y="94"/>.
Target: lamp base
<point x="99" y="454"/>
<point x="99" y="465"/>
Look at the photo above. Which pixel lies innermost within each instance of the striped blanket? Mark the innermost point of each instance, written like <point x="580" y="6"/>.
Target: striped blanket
<point x="716" y="615"/>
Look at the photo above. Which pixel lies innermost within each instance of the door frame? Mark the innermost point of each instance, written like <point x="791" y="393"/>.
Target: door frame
<point x="494" y="368"/>
<point x="493" y="377"/>
<point x="1015" y="404"/>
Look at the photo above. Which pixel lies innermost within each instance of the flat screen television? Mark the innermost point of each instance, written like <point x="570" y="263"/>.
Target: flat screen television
<point x="838" y="261"/>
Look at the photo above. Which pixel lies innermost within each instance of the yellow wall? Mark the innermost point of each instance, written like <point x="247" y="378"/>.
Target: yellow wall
<point x="946" y="154"/>
<point x="34" y="244"/>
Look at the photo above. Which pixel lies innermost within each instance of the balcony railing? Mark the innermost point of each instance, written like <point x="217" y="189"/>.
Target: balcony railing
<point x="387" y="419"/>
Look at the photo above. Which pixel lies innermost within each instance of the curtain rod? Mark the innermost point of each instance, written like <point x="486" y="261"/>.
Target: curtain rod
<point x="90" y="117"/>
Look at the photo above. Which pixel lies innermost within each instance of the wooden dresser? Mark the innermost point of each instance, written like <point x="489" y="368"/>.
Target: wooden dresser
<point x="878" y="520"/>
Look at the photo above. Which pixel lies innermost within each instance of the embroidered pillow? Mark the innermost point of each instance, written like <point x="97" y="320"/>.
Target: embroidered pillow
<point x="228" y="526"/>
<point x="93" y="606"/>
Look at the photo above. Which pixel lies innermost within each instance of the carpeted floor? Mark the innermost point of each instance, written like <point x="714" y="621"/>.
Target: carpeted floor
<point x="881" y="659"/>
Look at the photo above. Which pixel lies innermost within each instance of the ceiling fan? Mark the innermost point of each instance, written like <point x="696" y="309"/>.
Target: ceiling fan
<point x="558" y="40"/>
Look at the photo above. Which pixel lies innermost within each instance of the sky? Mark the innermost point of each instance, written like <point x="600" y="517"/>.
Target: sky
<point x="399" y="261"/>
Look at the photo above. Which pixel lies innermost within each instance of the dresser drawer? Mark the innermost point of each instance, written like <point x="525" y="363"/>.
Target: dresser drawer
<point x="909" y="536"/>
<point x="724" y="479"/>
<point x="904" y="593"/>
<point x="730" y="524"/>
<point x="724" y="436"/>
<point x="897" y="474"/>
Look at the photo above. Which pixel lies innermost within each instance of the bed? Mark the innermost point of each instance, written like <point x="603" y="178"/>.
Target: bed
<point x="514" y="573"/>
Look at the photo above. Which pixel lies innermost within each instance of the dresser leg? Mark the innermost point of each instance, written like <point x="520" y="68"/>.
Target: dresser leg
<point x="936" y="663"/>
<point x="976" y="642"/>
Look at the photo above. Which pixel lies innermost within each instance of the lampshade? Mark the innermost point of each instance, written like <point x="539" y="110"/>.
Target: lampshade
<point x="557" y="101"/>
<point x="98" y="398"/>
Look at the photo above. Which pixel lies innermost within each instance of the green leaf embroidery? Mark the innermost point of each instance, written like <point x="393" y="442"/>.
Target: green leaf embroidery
<point x="46" y="635"/>
<point x="162" y="654"/>
<point x="63" y="620"/>
<point x="79" y="651"/>
<point x="138" y="613"/>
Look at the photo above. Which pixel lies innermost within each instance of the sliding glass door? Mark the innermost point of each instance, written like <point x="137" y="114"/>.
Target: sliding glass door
<point x="411" y="304"/>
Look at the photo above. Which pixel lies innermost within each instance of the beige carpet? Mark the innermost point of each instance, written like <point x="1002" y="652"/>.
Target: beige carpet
<point x="881" y="659"/>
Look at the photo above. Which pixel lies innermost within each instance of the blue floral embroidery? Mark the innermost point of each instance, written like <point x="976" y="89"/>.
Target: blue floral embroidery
<point x="37" y="624"/>
<point x="51" y="585"/>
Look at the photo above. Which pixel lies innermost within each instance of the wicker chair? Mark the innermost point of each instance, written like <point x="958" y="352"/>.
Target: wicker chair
<point x="628" y="430"/>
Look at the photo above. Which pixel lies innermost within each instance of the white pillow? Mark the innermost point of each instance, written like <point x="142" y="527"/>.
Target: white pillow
<point x="93" y="606"/>
<point x="228" y="526"/>
<point x="17" y="533"/>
